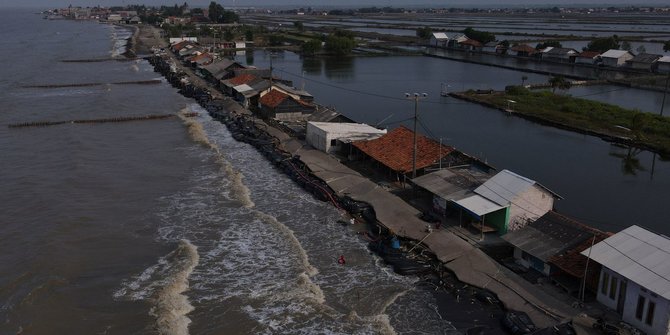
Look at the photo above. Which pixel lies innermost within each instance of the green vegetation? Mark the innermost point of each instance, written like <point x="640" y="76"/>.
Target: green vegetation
<point x="299" y="25"/>
<point x="552" y="43"/>
<point x="604" y="44"/>
<point x="340" y="43"/>
<point x="559" y="82"/>
<point x="481" y="36"/>
<point x="219" y="15"/>
<point x="311" y="47"/>
<point x="424" y="32"/>
<point x="643" y="129"/>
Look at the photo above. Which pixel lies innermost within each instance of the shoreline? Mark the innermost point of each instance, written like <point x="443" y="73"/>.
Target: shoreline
<point x="328" y="180"/>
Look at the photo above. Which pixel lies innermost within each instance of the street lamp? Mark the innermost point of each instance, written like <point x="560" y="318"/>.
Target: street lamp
<point x="416" y="97"/>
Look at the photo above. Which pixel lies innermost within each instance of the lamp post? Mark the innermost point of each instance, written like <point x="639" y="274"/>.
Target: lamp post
<point x="416" y="97"/>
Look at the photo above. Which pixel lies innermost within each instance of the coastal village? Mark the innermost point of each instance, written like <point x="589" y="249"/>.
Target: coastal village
<point x="492" y="228"/>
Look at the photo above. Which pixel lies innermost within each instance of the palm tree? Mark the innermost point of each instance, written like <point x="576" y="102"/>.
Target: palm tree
<point x="559" y="82"/>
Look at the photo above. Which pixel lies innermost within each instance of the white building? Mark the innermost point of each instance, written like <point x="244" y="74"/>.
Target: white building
<point x="175" y="40"/>
<point x="329" y="136"/>
<point x="526" y="199"/>
<point x="663" y="64"/>
<point x="616" y="58"/>
<point x="439" y="40"/>
<point x="635" y="278"/>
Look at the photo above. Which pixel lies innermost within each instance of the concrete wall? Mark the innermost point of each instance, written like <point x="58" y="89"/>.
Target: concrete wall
<point x="661" y="319"/>
<point x="663" y="67"/>
<point x="584" y="60"/>
<point x="529" y="206"/>
<point x="318" y="138"/>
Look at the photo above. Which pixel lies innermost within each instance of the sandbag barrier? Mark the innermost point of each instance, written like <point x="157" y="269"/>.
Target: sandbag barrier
<point x="243" y="129"/>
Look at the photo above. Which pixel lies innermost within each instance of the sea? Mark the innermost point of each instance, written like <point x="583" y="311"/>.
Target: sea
<point x="163" y="226"/>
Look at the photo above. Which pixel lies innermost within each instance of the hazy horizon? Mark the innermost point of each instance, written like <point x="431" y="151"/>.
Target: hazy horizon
<point x="326" y="3"/>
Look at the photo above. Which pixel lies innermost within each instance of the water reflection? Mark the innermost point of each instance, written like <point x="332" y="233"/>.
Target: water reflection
<point x="312" y="65"/>
<point x="339" y="67"/>
<point x="630" y="163"/>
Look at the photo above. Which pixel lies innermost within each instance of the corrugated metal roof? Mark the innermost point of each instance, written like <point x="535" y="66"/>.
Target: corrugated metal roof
<point x="638" y="255"/>
<point x="504" y="187"/>
<point x="450" y="184"/>
<point x="645" y="58"/>
<point x="534" y="242"/>
<point x="441" y="36"/>
<point x="549" y="235"/>
<point x="479" y="205"/>
<point x="664" y="59"/>
<point x="613" y="53"/>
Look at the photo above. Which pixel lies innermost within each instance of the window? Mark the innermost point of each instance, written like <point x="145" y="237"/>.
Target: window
<point x="640" y="307"/>
<point x="606" y="280"/>
<point x="650" y="313"/>
<point x="613" y="287"/>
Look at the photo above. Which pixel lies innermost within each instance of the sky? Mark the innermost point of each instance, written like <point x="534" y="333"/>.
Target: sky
<point x="329" y="3"/>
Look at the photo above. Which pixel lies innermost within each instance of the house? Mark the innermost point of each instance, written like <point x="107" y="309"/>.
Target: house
<point x="114" y="18"/>
<point x="616" y="58"/>
<point x="228" y="84"/>
<point x="551" y="238"/>
<point x="439" y="40"/>
<point x="470" y="45"/>
<point x="564" y="55"/>
<point x="220" y="70"/>
<point x="523" y="50"/>
<point x="643" y="61"/>
<point x="202" y="59"/>
<point x="635" y="277"/>
<point x="663" y="64"/>
<point x="297" y="94"/>
<point x="508" y="201"/>
<point x="395" y="151"/>
<point x="491" y="47"/>
<point x="454" y="40"/>
<point x="134" y="20"/>
<point x="587" y="57"/>
<point x="451" y="184"/>
<point x="280" y="106"/>
<point x="330" y="137"/>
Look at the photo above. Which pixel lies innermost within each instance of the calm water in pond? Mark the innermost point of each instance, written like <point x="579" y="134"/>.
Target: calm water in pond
<point x="602" y="184"/>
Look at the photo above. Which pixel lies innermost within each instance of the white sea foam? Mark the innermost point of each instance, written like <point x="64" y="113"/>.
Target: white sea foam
<point x="164" y="285"/>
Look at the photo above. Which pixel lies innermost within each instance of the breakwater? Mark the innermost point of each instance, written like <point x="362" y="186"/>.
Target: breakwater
<point x="104" y="120"/>
<point x="135" y="82"/>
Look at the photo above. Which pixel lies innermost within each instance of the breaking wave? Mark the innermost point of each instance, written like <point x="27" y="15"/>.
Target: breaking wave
<point x="164" y="285"/>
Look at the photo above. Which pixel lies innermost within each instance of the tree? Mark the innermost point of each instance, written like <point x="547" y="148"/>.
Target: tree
<point x="219" y="15"/>
<point x="481" y="36"/>
<point x="641" y="49"/>
<point x="552" y="43"/>
<point x="559" y="82"/>
<point x="249" y="35"/>
<point x="625" y="45"/>
<point x="299" y="25"/>
<point x="424" y="32"/>
<point x="603" y="44"/>
<point x="228" y="35"/>
<point x="341" y="42"/>
<point x="311" y="47"/>
<point x="666" y="46"/>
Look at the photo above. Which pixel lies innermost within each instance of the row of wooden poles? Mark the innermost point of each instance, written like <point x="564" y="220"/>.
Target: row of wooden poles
<point x="136" y="82"/>
<point x="105" y="120"/>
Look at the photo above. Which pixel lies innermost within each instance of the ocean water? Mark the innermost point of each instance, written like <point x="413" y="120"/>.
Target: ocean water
<point x="166" y="226"/>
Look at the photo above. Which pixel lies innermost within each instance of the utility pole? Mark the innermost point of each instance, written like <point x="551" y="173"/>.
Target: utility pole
<point x="586" y="269"/>
<point x="416" y="97"/>
<point x="665" y="92"/>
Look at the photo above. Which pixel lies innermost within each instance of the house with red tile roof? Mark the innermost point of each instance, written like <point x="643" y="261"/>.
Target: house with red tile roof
<point x="587" y="57"/>
<point x="523" y="50"/>
<point x="395" y="151"/>
<point x="280" y="106"/>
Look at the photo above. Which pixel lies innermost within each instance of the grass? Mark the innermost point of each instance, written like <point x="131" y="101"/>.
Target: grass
<point x="644" y="129"/>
